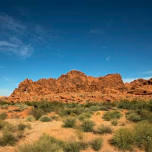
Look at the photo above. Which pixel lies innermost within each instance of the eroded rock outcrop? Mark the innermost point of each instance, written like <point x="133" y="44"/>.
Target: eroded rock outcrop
<point x="78" y="87"/>
<point x="140" y="87"/>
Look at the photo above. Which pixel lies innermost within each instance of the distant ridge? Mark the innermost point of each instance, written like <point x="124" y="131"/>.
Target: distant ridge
<point x="76" y="86"/>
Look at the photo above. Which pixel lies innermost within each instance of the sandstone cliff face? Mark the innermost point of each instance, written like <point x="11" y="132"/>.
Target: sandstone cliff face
<point x="140" y="87"/>
<point x="78" y="87"/>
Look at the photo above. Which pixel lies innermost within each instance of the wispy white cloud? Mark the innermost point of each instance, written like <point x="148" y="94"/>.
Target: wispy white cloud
<point x="135" y="78"/>
<point x="13" y="44"/>
<point x="147" y="72"/>
<point x="21" y="49"/>
<point x="11" y="24"/>
<point x="20" y="38"/>
<point x="7" y="44"/>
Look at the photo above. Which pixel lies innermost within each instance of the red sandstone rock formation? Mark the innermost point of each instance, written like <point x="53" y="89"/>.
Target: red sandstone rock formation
<point x="78" y="87"/>
<point x="140" y="87"/>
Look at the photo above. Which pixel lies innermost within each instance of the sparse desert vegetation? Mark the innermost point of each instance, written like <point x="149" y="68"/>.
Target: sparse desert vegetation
<point x="73" y="127"/>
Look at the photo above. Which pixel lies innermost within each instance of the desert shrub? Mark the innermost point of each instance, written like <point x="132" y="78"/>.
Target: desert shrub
<point x="67" y="112"/>
<point x="37" y="113"/>
<point x="72" y="147"/>
<point x="45" y="118"/>
<point x="111" y="115"/>
<point x="124" y="104"/>
<point x="103" y="130"/>
<point x="44" y="144"/>
<point x="96" y="144"/>
<point x="71" y="111"/>
<point x="78" y="110"/>
<point x="22" y="126"/>
<point x="30" y="118"/>
<point x="104" y="108"/>
<point x="21" y="106"/>
<point x="97" y="113"/>
<point x="114" y="122"/>
<point x="149" y="105"/>
<point x="109" y="105"/>
<point x="4" y="103"/>
<point x="132" y="105"/>
<point x="94" y="108"/>
<point x="4" y="106"/>
<point x="88" y="104"/>
<point x="123" y="139"/>
<point x="9" y="127"/>
<point x="83" y="145"/>
<point x="69" y="123"/>
<point x="2" y="124"/>
<point x="3" y="116"/>
<point x="145" y="115"/>
<point x="133" y="117"/>
<point x="54" y="117"/>
<point x="7" y="139"/>
<point x="72" y="105"/>
<point x="45" y="106"/>
<point x="5" y="126"/>
<point x="143" y="135"/>
<point x="87" y="126"/>
<point x="84" y="116"/>
<point x="19" y="134"/>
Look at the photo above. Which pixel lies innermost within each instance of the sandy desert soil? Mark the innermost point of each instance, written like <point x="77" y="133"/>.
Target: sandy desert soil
<point x="55" y="129"/>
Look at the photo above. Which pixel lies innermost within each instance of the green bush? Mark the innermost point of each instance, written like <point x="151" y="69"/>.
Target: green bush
<point x="114" y="122"/>
<point x="9" y="127"/>
<point x="22" y="126"/>
<point x="123" y="139"/>
<point x="37" y="113"/>
<point x="109" y="105"/>
<point x="87" y="126"/>
<point x="5" y="126"/>
<point x="44" y="144"/>
<point x="104" y="108"/>
<point x="84" y="116"/>
<point x="54" y="117"/>
<point x="143" y="135"/>
<point x="96" y="144"/>
<point x="103" y="130"/>
<point x="3" y="116"/>
<point x="7" y="139"/>
<point x="145" y="115"/>
<point x="132" y="105"/>
<point x="68" y="111"/>
<point x="94" y="108"/>
<point x="30" y="118"/>
<point x="111" y="115"/>
<point x="21" y="106"/>
<point x="83" y="145"/>
<point x="45" y="118"/>
<point x="133" y="117"/>
<point x="72" y="147"/>
<point x="69" y="123"/>
<point x="47" y="143"/>
<point x="5" y="106"/>
<point x="2" y="124"/>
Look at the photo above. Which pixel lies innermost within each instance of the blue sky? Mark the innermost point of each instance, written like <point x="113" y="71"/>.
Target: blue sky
<point x="42" y="39"/>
